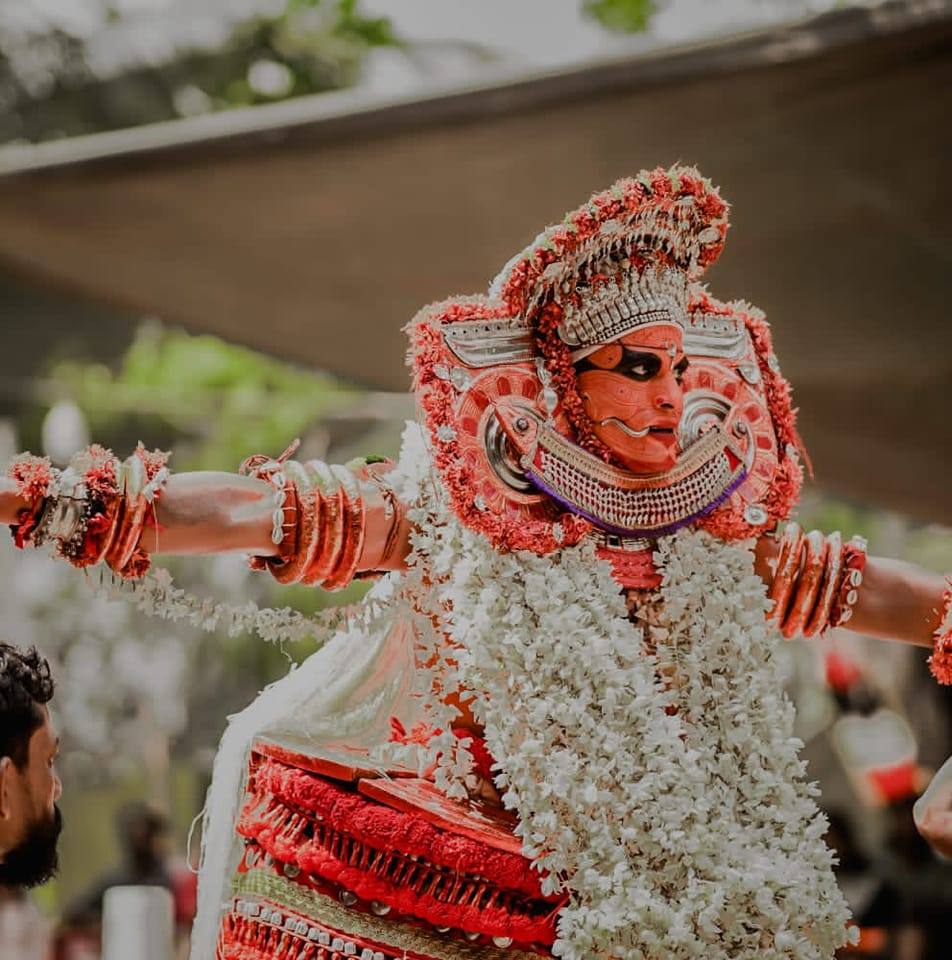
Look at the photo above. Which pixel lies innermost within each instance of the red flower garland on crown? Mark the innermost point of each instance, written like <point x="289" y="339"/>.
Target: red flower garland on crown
<point x="658" y="193"/>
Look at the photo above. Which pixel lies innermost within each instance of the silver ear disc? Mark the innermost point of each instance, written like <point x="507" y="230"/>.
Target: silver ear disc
<point x="500" y="455"/>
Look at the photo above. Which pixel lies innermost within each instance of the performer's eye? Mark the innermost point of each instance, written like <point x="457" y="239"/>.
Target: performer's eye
<point x="681" y="368"/>
<point x="640" y="366"/>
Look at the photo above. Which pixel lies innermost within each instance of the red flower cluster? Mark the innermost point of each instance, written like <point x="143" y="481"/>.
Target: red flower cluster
<point x="940" y="663"/>
<point x="32" y="476"/>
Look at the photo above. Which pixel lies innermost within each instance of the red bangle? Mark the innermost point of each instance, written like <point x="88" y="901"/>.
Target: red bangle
<point x="307" y="526"/>
<point x="788" y="563"/>
<point x="355" y="526"/>
<point x="851" y="579"/>
<point x="143" y="475"/>
<point x="808" y="585"/>
<point x="820" y="618"/>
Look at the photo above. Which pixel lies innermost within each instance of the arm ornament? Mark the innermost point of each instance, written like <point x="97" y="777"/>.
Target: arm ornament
<point x="816" y="581"/>
<point x="322" y="519"/>
<point x="95" y="510"/>
<point x="940" y="663"/>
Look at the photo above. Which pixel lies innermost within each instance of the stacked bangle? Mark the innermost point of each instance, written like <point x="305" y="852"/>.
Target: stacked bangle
<point x="324" y="521"/>
<point x="95" y="510"/>
<point x="816" y="581"/>
<point x="854" y="566"/>
<point x="940" y="663"/>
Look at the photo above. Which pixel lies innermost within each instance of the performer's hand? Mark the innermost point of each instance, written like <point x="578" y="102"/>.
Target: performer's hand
<point x="765" y="554"/>
<point x="11" y="503"/>
<point x="933" y="812"/>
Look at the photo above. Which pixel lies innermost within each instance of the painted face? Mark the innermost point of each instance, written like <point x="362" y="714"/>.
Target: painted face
<point x="29" y="808"/>
<point x="631" y="391"/>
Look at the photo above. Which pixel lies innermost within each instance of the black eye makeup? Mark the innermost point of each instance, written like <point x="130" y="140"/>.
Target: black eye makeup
<point x="633" y="364"/>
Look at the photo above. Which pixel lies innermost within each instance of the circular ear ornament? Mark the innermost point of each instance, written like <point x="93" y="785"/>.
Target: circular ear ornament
<point x="734" y="380"/>
<point x="469" y="356"/>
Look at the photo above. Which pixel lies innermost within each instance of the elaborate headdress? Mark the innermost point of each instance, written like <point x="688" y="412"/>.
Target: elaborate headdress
<point x="496" y="383"/>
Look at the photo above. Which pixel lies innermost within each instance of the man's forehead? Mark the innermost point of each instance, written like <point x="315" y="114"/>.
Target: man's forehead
<point x="656" y="337"/>
<point x="45" y="734"/>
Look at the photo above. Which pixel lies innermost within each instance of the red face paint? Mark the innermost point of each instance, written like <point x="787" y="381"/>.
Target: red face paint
<point x="631" y="391"/>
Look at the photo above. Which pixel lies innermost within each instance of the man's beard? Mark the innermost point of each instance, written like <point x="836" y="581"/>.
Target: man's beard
<point x="34" y="860"/>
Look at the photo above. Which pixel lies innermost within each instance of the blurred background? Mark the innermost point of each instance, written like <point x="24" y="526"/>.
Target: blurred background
<point x="217" y="215"/>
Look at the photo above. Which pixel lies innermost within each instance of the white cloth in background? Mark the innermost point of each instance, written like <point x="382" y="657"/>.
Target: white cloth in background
<point x="24" y="931"/>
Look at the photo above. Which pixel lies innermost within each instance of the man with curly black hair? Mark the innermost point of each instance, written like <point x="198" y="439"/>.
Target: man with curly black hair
<point x="30" y="821"/>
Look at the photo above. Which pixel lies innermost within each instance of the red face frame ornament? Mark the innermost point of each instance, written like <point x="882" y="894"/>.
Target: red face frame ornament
<point x="589" y="332"/>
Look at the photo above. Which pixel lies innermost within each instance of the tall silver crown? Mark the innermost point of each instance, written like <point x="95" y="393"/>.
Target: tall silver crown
<point x="624" y="302"/>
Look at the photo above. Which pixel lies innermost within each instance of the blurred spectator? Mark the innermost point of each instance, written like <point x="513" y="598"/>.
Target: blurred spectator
<point x="933" y="811"/>
<point x="143" y="834"/>
<point x="30" y="820"/>
<point x="923" y="885"/>
<point x="870" y="899"/>
<point x="24" y="933"/>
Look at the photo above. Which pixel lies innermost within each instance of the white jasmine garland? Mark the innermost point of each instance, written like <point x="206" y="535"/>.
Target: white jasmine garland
<point x="155" y="594"/>
<point x="675" y="813"/>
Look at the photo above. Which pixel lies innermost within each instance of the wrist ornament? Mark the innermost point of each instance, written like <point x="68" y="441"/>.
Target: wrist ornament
<point x="854" y="567"/>
<point x="94" y="510"/>
<point x="940" y="663"/>
<point x="284" y="502"/>
<point x="816" y="581"/>
<point x="323" y="522"/>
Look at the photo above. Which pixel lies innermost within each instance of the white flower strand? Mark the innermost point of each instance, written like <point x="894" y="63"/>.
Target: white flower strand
<point x="156" y="595"/>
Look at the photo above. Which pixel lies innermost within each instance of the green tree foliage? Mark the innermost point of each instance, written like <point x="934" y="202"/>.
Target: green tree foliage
<point x="216" y="401"/>
<point x="50" y="85"/>
<point x="626" y="16"/>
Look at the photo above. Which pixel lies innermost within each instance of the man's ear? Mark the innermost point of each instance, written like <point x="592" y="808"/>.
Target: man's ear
<point x="7" y="771"/>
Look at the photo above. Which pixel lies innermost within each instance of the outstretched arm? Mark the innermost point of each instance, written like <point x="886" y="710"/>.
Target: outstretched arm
<point x="210" y="512"/>
<point x="898" y="601"/>
<point x="895" y="600"/>
<point x="204" y="512"/>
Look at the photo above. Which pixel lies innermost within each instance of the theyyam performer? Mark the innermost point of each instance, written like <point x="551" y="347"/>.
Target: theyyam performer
<point x="556" y="724"/>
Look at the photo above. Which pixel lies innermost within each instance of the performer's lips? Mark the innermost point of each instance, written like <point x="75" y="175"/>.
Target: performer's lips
<point x="632" y="432"/>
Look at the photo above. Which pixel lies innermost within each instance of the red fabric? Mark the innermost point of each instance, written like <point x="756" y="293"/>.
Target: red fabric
<point x="841" y="672"/>
<point x="895" y="782"/>
<point x="243" y="938"/>
<point x="482" y="759"/>
<point x="386" y="829"/>
<point x="491" y="919"/>
<point x="632" y="569"/>
<point x="185" y="895"/>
